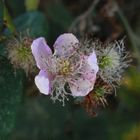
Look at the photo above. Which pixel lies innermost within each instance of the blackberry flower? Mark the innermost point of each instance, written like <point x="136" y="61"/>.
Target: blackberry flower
<point x="68" y="71"/>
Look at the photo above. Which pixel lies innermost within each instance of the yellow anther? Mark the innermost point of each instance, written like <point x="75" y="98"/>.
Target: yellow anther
<point x="65" y="67"/>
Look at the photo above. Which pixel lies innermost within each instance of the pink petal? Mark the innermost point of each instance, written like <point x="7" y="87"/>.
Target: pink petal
<point x="92" y="61"/>
<point x="64" y="44"/>
<point x="91" y="68"/>
<point x="81" y="87"/>
<point x="85" y="83"/>
<point x="42" y="82"/>
<point x="40" y="51"/>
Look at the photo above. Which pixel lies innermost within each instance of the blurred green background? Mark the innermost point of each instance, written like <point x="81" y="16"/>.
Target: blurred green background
<point x="25" y="114"/>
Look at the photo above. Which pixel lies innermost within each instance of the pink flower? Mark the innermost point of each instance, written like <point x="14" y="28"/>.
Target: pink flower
<point x="67" y="71"/>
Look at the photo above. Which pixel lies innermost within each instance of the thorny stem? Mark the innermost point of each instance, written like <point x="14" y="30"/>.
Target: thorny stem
<point x="129" y="31"/>
<point x="84" y="15"/>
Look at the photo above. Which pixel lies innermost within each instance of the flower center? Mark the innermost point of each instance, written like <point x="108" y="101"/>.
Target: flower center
<point x="65" y="67"/>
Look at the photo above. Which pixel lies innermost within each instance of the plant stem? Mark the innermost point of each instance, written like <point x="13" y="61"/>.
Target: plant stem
<point x="84" y="15"/>
<point x="8" y="21"/>
<point x="129" y="32"/>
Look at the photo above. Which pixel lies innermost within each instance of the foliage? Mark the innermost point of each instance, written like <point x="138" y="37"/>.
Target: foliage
<point x="33" y="21"/>
<point x="11" y="90"/>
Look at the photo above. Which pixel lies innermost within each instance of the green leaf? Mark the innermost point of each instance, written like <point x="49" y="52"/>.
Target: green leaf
<point x="11" y="88"/>
<point x="16" y="7"/>
<point x="33" y="21"/>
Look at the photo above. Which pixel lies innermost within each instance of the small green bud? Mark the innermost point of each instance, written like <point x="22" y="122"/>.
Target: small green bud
<point x="20" y="55"/>
<point x="100" y="91"/>
<point x="104" y="62"/>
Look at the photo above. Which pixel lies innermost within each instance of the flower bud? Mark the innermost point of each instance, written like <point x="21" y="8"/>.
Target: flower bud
<point x="19" y="53"/>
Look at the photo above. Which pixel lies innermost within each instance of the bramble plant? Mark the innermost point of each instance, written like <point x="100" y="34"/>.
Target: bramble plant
<point x="62" y="63"/>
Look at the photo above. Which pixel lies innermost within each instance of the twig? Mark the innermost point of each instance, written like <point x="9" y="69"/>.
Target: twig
<point x="130" y="32"/>
<point x="84" y="15"/>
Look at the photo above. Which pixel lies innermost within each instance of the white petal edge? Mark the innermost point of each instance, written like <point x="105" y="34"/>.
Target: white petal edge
<point x="81" y="88"/>
<point x="43" y="83"/>
<point x="92" y="61"/>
